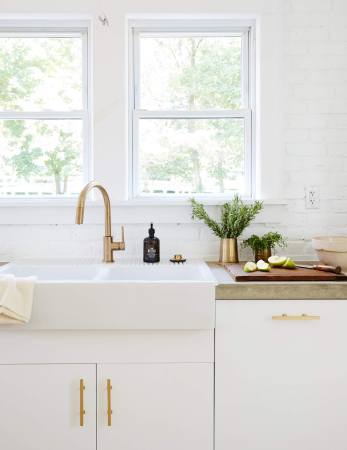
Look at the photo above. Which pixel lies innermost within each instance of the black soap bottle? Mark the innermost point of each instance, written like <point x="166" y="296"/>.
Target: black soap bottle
<point x="151" y="247"/>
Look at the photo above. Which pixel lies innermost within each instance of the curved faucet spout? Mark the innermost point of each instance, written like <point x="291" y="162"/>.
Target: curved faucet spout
<point x="109" y="245"/>
<point x="81" y="203"/>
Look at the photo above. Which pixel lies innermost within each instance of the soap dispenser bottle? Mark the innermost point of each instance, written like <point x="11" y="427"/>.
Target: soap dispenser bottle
<point x="151" y="247"/>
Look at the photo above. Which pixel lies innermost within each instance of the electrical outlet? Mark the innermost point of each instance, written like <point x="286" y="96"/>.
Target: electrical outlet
<point x="312" y="197"/>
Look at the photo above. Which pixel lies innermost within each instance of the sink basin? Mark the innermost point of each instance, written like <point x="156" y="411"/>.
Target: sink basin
<point x="158" y="273"/>
<point x="331" y="250"/>
<point x="63" y="272"/>
<point x="121" y="296"/>
<point x="110" y="272"/>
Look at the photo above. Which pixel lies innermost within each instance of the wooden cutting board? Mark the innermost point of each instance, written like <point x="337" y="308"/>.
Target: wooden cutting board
<point x="278" y="274"/>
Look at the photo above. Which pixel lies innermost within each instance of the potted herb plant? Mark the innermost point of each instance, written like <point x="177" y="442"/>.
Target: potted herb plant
<point x="235" y="217"/>
<point x="262" y="246"/>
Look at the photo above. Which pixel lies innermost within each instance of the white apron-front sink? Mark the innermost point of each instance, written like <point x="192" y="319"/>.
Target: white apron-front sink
<point x="120" y="296"/>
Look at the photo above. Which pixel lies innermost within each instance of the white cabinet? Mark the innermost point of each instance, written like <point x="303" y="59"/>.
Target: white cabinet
<point x="40" y="407"/>
<point x="155" y="406"/>
<point x="281" y="384"/>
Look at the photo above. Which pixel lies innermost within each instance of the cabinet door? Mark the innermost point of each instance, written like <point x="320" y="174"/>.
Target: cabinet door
<point x="281" y="384"/>
<point x="156" y="407"/>
<point x="40" y="407"/>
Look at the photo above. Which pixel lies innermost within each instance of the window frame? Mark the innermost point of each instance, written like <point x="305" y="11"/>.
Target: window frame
<point x="135" y="114"/>
<point x="57" y="28"/>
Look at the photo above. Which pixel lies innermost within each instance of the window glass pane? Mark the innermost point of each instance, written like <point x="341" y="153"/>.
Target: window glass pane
<point x="40" y="73"/>
<point x="40" y="157"/>
<point x="190" y="72"/>
<point x="186" y="156"/>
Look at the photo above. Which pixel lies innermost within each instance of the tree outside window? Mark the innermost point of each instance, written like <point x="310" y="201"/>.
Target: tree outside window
<point x="41" y="106"/>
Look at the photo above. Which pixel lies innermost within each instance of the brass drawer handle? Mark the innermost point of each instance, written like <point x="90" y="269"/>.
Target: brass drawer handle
<point x="109" y="404"/>
<point x="300" y="317"/>
<point x="82" y="410"/>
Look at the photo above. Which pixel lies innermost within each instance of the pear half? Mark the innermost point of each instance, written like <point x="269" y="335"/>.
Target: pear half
<point x="250" y="267"/>
<point x="289" y="264"/>
<point x="277" y="261"/>
<point x="263" y="266"/>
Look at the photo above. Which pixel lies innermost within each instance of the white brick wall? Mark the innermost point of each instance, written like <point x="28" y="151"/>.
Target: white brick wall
<point x="313" y="142"/>
<point x="315" y="136"/>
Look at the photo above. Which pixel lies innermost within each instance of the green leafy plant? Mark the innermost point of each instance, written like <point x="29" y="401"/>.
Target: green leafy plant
<point x="267" y="241"/>
<point x="235" y="217"/>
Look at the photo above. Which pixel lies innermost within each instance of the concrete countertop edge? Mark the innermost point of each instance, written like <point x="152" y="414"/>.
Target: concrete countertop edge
<point x="228" y="289"/>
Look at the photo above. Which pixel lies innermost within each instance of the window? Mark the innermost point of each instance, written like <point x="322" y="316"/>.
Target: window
<point x="191" y="110"/>
<point x="44" y="117"/>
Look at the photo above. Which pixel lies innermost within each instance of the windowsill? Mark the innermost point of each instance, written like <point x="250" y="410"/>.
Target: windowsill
<point x="183" y="201"/>
<point x="135" y="202"/>
<point x="61" y="211"/>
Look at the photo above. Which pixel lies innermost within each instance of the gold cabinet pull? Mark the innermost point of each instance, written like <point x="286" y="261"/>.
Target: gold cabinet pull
<point x="109" y="403"/>
<point x="300" y="317"/>
<point x="82" y="410"/>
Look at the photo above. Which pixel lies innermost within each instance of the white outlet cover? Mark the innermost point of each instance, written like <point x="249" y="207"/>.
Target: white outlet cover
<point x="312" y="197"/>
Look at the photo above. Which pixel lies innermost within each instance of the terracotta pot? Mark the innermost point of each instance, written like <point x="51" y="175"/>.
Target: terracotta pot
<point x="228" y="251"/>
<point x="262" y="254"/>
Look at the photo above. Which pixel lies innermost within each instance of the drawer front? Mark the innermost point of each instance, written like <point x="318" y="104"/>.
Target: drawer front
<point x="281" y="377"/>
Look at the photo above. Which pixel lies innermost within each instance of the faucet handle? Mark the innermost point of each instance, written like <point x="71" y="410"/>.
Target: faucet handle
<point x="119" y="245"/>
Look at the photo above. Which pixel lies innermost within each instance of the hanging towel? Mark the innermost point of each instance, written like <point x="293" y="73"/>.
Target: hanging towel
<point x="16" y="299"/>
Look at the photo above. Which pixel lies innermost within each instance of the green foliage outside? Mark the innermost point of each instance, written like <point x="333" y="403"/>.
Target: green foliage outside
<point x="201" y="155"/>
<point x="39" y="74"/>
<point x="206" y="75"/>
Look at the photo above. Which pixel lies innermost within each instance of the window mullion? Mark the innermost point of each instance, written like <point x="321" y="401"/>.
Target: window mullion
<point x="248" y="156"/>
<point x="136" y="69"/>
<point x="202" y="114"/>
<point x="245" y="69"/>
<point x="41" y="115"/>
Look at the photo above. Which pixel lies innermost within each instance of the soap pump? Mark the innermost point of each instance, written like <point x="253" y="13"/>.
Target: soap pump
<point x="151" y="247"/>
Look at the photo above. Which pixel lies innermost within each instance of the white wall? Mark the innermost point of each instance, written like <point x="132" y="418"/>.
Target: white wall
<point x="315" y="134"/>
<point x="302" y="129"/>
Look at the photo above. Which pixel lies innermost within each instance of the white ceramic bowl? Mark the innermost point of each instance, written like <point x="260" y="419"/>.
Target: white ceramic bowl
<point x="331" y="250"/>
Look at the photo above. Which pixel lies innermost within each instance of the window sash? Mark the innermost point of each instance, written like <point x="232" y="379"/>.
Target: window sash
<point x="246" y="115"/>
<point x="245" y="52"/>
<point x="54" y="33"/>
<point x="136" y="114"/>
<point x="44" y="29"/>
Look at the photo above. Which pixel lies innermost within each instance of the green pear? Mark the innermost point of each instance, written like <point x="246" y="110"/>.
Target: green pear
<point x="263" y="266"/>
<point x="277" y="261"/>
<point x="289" y="264"/>
<point x="250" y="267"/>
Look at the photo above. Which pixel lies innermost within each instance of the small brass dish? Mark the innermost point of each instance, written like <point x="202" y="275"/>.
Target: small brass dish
<point x="178" y="259"/>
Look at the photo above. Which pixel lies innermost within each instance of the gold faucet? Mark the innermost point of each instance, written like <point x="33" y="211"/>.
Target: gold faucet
<point x="109" y="245"/>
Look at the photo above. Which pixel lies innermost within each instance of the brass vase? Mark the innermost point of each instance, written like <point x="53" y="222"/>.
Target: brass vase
<point x="228" y="251"/>
<point x="263" y="254"/>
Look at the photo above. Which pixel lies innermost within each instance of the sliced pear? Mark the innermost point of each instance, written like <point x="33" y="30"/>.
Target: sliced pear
<point x="250" y="267"/>
<point x="277" y="261"/>
<point x="263" y="266"/>
<point x="289" y="264"/>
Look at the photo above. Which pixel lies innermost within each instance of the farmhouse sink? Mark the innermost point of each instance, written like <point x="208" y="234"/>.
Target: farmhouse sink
<point x="124" y="295"/>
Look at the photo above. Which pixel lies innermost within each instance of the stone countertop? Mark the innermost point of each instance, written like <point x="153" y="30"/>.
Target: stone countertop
<point x="228" y="289"/>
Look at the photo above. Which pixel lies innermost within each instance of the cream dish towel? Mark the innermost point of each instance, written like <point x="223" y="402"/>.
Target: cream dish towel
<point x="16" y="299"/>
